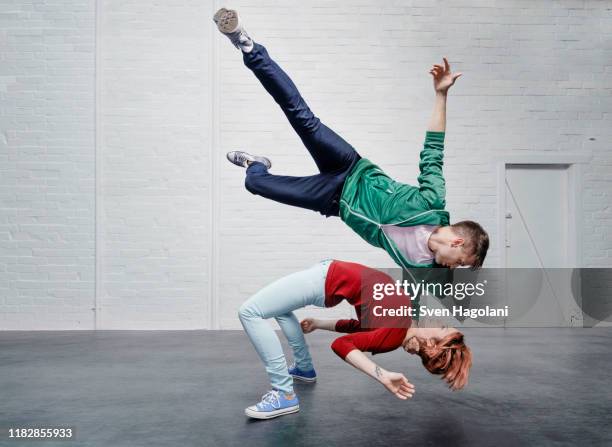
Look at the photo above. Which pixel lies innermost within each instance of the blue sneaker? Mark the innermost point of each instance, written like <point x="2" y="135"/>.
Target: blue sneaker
<point x="273" y="404"/>
<point x="305" y="376"/>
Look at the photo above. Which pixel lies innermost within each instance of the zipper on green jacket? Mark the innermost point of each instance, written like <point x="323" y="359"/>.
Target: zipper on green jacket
<point x="379" y="225"/>
<point x="413" y="217"/>
<point x="355" y="213"/>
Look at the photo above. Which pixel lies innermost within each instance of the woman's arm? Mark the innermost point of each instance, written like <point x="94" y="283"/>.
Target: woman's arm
<point x="342" y="325"/>
<point x="395" y="383"/>
<point x="443" y="79"/>
<point x="311" y="324"/>
<point x="351" y="348"/>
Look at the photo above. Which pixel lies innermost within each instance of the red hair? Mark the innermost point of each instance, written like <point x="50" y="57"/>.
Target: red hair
<point x="450" y="357"/>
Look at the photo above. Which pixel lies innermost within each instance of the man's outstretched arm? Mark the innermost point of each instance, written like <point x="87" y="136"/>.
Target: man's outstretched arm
<point x="437" y="123"/>
<point x="431" y="179"/>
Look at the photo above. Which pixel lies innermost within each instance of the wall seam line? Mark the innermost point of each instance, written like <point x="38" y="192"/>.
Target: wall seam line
<point x="98" y="166"/>
<point x="213" y="300"/>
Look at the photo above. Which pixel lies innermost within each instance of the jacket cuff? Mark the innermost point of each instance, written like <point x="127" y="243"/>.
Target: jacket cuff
<point x="433" y="136"/>
<point x="342" y="347"/>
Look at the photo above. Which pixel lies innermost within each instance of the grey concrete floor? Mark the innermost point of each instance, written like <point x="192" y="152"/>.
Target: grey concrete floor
<point x="189" y="388"/>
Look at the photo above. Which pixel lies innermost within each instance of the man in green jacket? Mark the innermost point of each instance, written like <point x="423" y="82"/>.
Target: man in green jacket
<point x="409" y="222"/>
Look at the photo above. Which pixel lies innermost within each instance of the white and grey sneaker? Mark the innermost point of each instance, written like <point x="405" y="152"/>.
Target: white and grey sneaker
<point x="228" y="22"/>
<point x="240" y="158"/>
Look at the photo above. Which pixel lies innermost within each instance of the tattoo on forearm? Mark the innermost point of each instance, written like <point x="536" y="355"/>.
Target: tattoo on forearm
<point x="378" y="371"/>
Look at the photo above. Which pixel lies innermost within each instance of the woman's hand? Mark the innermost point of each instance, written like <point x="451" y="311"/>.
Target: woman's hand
<point x="397" y="384"/>
<point x="443" y="79"/>
<point x="308" y="325"/>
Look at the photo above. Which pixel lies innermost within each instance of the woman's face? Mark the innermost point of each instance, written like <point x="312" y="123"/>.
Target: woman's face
<point x="411" y="346"/>
<point x="429" y="329"/>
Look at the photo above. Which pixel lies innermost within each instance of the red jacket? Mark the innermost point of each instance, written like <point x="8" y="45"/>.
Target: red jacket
<point x="353" y="282"/>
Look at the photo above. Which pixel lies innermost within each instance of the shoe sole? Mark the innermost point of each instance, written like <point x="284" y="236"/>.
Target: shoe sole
<point x="227" y="20"/>
<point x="264" y="160"/>
<point x="304" y="379"/>
<point x="271" y="414"/>
<point x="230" y="159"/>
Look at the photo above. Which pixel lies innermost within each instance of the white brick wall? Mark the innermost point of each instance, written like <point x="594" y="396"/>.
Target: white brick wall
<point x="174" y="97"/>
<point x="155" y="113"/>
<point x="46" y="164"/>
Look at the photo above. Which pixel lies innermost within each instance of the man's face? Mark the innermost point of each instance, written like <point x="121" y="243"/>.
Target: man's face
<point x="454" y="255"/>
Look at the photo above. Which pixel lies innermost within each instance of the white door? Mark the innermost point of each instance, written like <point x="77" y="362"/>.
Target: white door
<point x="538" y="244"/>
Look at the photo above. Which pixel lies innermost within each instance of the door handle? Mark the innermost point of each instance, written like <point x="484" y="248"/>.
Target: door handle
<point x="508" y="217"/>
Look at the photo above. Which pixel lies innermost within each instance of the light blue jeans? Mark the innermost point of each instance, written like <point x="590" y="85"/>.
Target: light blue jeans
<point x="278" y="300"/>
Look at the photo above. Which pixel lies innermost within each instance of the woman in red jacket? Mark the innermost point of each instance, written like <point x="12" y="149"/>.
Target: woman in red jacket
<point x="442" y="349"/>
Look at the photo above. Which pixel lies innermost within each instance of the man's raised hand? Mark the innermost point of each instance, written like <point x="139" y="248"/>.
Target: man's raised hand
<point x="443" y="78"/>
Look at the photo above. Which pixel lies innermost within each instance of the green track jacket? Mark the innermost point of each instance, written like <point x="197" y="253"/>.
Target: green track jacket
<point x="371" y="200"/>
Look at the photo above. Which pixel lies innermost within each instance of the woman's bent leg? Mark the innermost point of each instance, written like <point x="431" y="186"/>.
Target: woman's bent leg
<point x="330" y="152"/>
<point x="290" y="326"/>
<point x="280" y="298"/>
